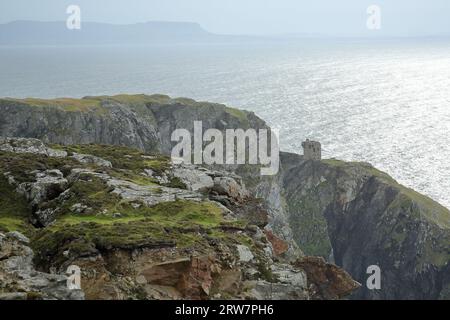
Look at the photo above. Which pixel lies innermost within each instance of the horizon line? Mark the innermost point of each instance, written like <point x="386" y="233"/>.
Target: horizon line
<point x="298" y="34"/>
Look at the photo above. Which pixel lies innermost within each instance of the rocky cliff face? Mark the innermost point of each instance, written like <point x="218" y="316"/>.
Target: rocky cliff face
<point x="71" y="121"/>
<point x="141" y="227"/>
<point x="359" y="216"/>
<point x="140" y="121"/>
<point x="348" y="213"/>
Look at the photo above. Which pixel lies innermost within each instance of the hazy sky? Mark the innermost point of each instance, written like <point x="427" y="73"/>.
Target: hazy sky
<point x="346" y="17"/>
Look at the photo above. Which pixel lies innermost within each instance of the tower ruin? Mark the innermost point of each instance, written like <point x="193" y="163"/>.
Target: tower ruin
<point x="312" y="150"/>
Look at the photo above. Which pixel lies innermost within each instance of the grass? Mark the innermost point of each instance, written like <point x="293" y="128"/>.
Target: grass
<point x="123" y="157"/>
<point x="176" y="182"/>
<point x="181" y="223"/>
<point x="8" y="224"/>
<point x="135" y="178"/>
<point x="138" y="102"/>
<point x="100" y="219"/>
<point x="240" y="114"/>
<point x="66" y="104"/>
<point x="88" y="190"/>
<point x="171" y="224"/>
<point x="21" y="164"/>
<point x="309" y="225"/>
<point x="431" y="209"/>
<point x="134" y="99"/>
<point x="14" y="210"/>
<point x="128" y="163"/>
<point x="91" y="192"/>
<point x="180" y="213"/>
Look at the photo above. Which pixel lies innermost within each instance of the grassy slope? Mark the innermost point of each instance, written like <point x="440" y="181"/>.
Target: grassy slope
<point x="14" y="210"/>
<point x="137" y="101"/>
<point x="178" y="223"/>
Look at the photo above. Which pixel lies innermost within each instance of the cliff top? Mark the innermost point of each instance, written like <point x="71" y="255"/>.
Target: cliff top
<point x="429" y="209"/>
<point x="100" y="103"/>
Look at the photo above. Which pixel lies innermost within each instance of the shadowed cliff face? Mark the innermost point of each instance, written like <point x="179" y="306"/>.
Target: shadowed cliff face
<point x="70" y="121"/>
<point x="362" y="217"/>
<point x="139" y="121"/>
<point x="349" y="213"/>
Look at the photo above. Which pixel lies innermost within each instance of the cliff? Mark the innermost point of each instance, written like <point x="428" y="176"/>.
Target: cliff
<point x="348" y="213"/>
<point x="138" y="121"/>
<point x="140" y="227"/>
<point x="359" y="216"/>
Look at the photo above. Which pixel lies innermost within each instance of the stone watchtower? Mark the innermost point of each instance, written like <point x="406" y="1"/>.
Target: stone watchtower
<point x="312" y="150"/>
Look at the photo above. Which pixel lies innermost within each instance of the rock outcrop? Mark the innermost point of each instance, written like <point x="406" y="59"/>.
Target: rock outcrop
<point x="20" y="281"/>
<point x="139" y="227"/>
<point x="326" y="281"/>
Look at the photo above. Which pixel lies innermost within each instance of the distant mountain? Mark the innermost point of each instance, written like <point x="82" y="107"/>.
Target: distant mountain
<point x="56" y="33"/>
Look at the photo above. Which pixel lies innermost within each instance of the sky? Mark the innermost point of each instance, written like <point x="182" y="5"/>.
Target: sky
<point x="256" y="17"/>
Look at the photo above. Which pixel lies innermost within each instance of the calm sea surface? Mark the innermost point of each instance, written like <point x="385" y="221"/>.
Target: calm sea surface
<point x="385" y="102"/>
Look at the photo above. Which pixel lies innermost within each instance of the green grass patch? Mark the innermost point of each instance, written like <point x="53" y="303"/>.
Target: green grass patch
<point x="240" y="114"/>
<point x="180" y="213"/>
<point x="133" y="99"/>
<point x="176" y="182"/>
<point x="66" y="104"/>
<point x="92" y="192"/>
<point x="20" y="165"/>
<point x="184" y="213"/>
<point x="178" y="223"/>
<point x="14" y="210"/>
<point x="123" y="157"/>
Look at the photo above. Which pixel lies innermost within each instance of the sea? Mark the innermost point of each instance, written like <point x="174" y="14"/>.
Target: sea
<point x="383" y="101"/>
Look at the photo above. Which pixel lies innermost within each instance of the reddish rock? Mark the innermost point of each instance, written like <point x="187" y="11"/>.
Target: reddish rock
<point x="196" y="282"/>
<point x="279" y="246"/>
<point x="183" y="278"/>
<point x="326" y="281"/>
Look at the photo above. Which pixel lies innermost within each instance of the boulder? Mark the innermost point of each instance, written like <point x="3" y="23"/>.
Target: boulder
<point x="17" y="236"/>
<point x="279" y="246"/>
<point x="264" y="290"/>
<point x="193" y="178"/>
<point x="21" y="281"/>
<point x="90" y="159"/>
<point x="187" y="278"/>
<point x="229" y="187"/>
<point x="49" y="184"/>
<point x="244" y="253"/>
<point x="28" y="145"/>
<point x="326" y="280"/>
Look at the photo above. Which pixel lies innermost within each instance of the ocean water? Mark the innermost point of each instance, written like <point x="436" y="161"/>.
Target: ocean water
<point x="385" y="102"/>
